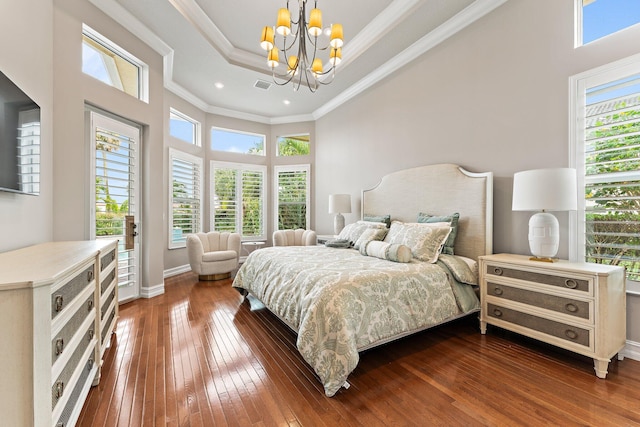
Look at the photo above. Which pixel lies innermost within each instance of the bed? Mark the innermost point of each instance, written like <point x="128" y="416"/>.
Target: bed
<point x="341" y="302"/>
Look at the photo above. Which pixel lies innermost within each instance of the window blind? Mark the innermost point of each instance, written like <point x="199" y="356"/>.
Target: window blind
<point x="238" y="199"/>
<point x="293" y="197"/>
<point x="186" y="196"/>
<point x="612" y="175"/>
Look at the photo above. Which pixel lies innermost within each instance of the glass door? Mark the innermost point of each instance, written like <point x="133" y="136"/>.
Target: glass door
<point x="115" y="195"/>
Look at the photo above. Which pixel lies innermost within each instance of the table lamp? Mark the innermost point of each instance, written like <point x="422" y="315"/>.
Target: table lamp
<point x="544" y="190"/>
<point x="339" y="204"/>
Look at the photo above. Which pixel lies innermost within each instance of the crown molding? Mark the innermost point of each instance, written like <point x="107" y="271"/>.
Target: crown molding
<point x="386" y="21"/>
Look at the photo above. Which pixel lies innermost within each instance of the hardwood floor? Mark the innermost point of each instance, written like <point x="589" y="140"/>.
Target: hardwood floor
<point x="198" y="356"/>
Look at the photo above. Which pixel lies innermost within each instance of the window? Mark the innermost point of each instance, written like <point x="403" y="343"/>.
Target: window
<point x="184" y="127"/>
<point x="109" y="63"/>
<point x="185" y="214"/>
<point x="238" y="200"/>
<point x="293" y="192"/>
<point x="293" y="145"/>
<point x="237" y="142"/>
<point x="607" y="158"/>
<point x="599" y="18"/>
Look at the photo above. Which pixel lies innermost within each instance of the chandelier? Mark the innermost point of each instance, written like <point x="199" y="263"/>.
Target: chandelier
<point x="300" y="47"/>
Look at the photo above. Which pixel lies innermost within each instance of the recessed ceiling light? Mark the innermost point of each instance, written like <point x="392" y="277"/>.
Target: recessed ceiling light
<point x="219" y="85"/>
<point x="286" y="102"/>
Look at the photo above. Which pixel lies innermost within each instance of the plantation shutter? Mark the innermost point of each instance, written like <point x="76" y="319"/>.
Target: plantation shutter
<point x="612" y="175"/>
<point x="238" y="199"/>
<point x="292" y="183"/>
<point x="186" y="178"/>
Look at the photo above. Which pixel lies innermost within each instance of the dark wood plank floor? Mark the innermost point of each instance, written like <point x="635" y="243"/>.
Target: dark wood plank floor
<point x="198" y="356"/>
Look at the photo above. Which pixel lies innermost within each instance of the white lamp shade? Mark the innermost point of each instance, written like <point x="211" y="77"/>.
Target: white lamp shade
<point x="339" y="203"/>
<point x="545" y="190"/>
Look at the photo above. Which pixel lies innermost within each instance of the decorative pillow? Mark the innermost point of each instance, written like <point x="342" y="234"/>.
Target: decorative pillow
<point x="353" y="231"/>
<point x="452" y="219"/>
<point x="337" y="243"/>
<point x="386" y="219"/>
<point x="462" y="268"/>
<point x="369" y="235"/>
<point x="388" y="251"/>
<point x="424" y="240"/>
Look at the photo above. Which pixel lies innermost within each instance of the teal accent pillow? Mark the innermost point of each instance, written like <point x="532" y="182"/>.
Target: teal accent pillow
<point x="386" y="219"/>
<point x="451" y="219"/>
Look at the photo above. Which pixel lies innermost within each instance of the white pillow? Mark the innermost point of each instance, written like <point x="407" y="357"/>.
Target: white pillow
<point x="388" y="251"/>
<point x="353" y="231"/>
<point x="424" y="239"/>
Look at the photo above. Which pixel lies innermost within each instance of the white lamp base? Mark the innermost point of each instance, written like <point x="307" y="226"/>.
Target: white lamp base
<point x="338" y="224"/>
<point x="544" y="236"/>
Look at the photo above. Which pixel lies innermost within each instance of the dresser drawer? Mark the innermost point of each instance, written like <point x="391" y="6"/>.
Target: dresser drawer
<point x="61" y="386"/>
<point x="107" y="302"/>
<point x="106" y="326"/>
<point x="107" y="259"/>
<point x="107" y="281"/>
<point x="62" y="296"/>
<point x="85" y="376"/>
<point x="569" y="306"/>
<point x="556" y="329"/>
<point x="561" y="281"/>
<point x="63" y="338"/>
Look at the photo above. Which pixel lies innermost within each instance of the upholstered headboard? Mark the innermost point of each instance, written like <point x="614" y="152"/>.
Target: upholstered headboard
<point x="440" y="189"/>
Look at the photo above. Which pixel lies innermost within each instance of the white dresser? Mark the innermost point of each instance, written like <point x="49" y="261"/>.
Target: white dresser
<point x="577" y="306"/>
<point x="58" y="308"/>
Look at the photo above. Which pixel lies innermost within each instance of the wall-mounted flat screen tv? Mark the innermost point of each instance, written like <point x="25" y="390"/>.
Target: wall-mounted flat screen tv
<point x="19" y="140"/>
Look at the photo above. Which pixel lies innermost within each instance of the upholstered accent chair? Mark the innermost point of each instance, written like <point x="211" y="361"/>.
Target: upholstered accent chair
<point x="297" y="237"/>
<point x="213" y="255"/>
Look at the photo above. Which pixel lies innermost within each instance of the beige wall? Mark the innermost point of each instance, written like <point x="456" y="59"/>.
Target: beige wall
<point x="26" y="57"/>
<point x="72" y="91"/>
<point x="494" y="97"/>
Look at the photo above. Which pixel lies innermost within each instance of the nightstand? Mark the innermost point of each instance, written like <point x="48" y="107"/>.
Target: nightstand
<point x="580" y="307"/>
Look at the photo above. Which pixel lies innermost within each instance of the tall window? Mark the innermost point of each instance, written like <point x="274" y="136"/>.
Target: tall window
<point x="293" y="145"/>
<point x="184" y="127"/>
<point x="607" y="147"/>
<point x="238" y="199"/>
<point x="104" y="60"/>
<point x="237" y="142"/>
<point x="599" y="18"/>
<point x="293" y="191"/>
<point x="185" y="213"/>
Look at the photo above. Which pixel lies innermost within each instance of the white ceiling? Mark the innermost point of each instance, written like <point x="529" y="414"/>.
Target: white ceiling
<point x="209" y="41"/>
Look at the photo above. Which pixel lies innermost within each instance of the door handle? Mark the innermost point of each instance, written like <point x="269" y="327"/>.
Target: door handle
<point x="130" y="232"/>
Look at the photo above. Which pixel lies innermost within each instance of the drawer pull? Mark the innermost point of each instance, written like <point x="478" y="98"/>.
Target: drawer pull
<point x="59" y="346"/>
<point x="571" y="308"/>
<point x="570" y="283"/>
<point x="571" y="334"/>
<point x="59" y="389"/>
<point x="90" y="364"/>
<point x="498" y="291"/>
<point x="497" y="312"/>
<point x="91" y="334"/>
<point x="59" y="303"/>
<point x="90" y="305"/>
<point x="60" y="424"/>
<point x="90" y="275"/>
<point x="497" y="271"/>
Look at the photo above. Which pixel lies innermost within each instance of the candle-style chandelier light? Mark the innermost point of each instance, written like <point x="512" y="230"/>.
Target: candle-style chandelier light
<point x="300" y="47"/>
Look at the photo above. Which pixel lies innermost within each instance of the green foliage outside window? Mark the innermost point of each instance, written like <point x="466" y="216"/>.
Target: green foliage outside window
<point x="613" y="222"/>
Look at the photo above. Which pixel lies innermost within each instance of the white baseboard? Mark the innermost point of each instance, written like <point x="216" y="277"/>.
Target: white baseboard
<point x="153" y="291"/>
<point x="176" y="270"/>
<point x="631" y="350"/>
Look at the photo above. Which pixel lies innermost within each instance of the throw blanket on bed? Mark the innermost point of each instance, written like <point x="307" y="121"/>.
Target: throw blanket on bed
<point x="339" y="301"/>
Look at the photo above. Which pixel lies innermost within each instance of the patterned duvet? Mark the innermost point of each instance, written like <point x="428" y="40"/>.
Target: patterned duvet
<point x="339" y="301"/>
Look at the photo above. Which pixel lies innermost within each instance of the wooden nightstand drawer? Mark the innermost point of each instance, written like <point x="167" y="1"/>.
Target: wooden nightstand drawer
<point x="550" y="327"/>
<point x="555" y="303"/>
<point x="561" y="281"/>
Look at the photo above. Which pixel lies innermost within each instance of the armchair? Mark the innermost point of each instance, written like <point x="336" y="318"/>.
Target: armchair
<point x="297" y="237"/>
<point x="213" y="255"/>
